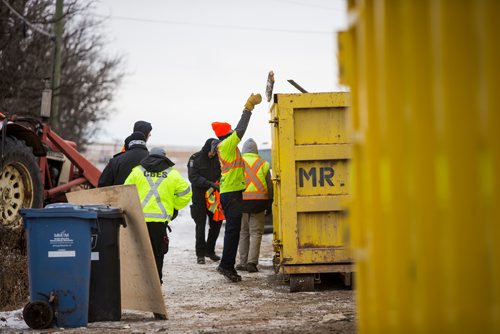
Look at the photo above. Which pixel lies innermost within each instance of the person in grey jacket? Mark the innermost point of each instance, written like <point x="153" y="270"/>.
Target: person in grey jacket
<point x="256" y="200"/>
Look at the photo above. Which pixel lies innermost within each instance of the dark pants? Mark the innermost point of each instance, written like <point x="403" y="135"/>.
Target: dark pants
<point x="231" y="204"/>
<point x="159" y="241"/>
<point x="199" y="213"/>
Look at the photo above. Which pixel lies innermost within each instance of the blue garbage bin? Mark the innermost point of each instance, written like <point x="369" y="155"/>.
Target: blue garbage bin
<point x="59" y="253"/>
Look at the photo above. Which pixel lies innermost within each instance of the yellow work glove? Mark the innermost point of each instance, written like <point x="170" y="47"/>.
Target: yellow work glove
<point x="252" y="101"/>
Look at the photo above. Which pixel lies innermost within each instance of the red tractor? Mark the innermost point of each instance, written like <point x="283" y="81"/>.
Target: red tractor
<point x="37" y="167"/>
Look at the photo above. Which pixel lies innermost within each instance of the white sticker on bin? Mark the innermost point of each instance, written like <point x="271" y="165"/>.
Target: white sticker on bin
<point x="94" y="256"/>
<point x="62" y="254"/>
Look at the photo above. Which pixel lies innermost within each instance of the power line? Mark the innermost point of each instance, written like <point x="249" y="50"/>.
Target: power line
<point x="211" y="25"/>
<point x="298" y="3"/>
<point x="28" y="23"/>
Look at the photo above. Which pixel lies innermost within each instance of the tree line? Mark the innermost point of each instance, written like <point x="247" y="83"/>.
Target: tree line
<point x="89" y="76"/>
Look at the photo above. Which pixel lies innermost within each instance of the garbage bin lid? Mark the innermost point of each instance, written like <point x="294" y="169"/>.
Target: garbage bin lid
<point x="60" y="210"/>
<point x="64" y="205"/>
<point x="105" y="212"/>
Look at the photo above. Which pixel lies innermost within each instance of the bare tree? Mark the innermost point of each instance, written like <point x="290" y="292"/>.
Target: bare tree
<point x="89" y="77"/>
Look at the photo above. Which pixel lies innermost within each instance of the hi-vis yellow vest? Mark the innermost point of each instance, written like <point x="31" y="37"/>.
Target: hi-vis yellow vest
<point x="232" y="166"/>
<point x="160" y="193"/>
<point x="256" y="170"/>
<point x="212" y="201"/>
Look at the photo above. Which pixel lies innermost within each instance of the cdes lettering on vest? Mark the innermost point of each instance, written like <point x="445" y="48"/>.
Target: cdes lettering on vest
<point x="162" y="174"/>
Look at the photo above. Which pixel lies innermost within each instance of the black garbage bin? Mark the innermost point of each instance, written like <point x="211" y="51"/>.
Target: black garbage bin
<point x="105" y="292"/>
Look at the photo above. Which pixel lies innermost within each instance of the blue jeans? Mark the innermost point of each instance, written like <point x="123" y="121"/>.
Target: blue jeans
<point x="231" y="204"/>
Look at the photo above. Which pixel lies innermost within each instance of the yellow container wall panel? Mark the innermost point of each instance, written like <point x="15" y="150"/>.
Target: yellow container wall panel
<point x="320" y="126"/>
<point x="322" y="230"/>
<point x="425" y="123"/>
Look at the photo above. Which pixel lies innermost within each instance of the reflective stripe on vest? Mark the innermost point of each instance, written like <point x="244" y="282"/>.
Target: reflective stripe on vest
<point x="226" y="166"/>
<point x="252" y="178"/>
<point x="184" y="192"/>
<point x="154" y="192"/>
<point x="211" y="200"/>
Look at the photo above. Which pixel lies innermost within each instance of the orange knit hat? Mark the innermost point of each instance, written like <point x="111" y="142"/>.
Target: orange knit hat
<point x="221" y="129"/>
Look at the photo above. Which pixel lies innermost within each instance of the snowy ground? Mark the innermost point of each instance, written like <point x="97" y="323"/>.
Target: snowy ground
<point x="199" y="300"/>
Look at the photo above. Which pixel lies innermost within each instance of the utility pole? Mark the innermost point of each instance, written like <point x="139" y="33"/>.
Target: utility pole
<point x="56" y="74"/>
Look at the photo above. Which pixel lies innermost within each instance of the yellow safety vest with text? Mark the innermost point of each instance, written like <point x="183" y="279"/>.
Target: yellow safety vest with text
<point x="232" y="166"/>
<point x="256" y="170"/>
<point x="160" y="192"/>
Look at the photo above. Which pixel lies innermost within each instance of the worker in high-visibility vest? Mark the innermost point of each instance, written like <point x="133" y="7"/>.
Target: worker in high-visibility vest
<point x="232" y="184"/>
<point x="256" y="200"/>
<point x="162" y="191"/>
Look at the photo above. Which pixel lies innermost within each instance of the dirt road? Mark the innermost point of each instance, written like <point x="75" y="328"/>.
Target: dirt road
<point x="199" y="300"/>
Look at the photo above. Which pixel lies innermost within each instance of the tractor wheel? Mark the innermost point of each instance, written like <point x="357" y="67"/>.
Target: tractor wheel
<point x="20" y="181"/>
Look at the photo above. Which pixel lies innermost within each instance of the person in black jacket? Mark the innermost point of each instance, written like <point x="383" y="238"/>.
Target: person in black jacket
<point x="119" y="167"/>
<point x="203" y="173"/>
<point x="144" y="127"/>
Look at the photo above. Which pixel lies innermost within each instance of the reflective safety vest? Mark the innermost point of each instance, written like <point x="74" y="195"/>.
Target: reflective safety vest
<point x="256" y="170"/>
<point x="212" y="199"/>
<point x="160" y="193"/>
<point x="231" y="164"/>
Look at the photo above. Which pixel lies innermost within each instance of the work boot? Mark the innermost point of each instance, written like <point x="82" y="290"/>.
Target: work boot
<point x="252" y="267"/>
<point x="235" y="273"/>
<point x="201" y="260"/>
<point x="214" y="257"/>
<point x="232" y="275"/>
<point x="241" y="267"/>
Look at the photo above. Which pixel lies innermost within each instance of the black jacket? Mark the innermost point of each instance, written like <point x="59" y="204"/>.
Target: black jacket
<point x="156" y="163"/>
<point x="202" y="170"/>
<point x="119" y="167"/>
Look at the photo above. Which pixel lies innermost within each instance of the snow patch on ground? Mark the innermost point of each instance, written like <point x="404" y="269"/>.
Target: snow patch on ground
<point x="12" y="320"/>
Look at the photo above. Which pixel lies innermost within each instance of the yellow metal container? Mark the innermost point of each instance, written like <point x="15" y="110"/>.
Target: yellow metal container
<point x="425" y="79"/>
<point x="310" y="156"/>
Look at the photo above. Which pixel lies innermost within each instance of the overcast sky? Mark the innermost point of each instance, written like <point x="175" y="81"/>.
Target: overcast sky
<point x="193" y="62"/>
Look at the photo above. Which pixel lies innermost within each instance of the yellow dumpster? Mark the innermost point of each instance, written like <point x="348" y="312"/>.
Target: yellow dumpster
<point x="310" y="155"/>
<point x="425" y="78"/>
